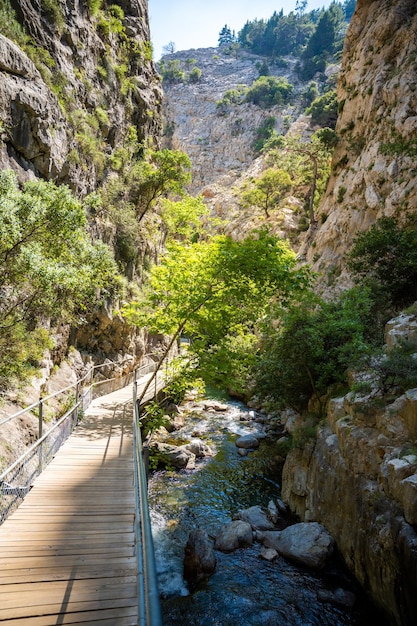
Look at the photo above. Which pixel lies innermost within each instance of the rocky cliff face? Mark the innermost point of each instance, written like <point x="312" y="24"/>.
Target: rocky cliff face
<point x="374" y="165"/>
<point x="359" y="479"/>
<point x="218" y="140"/>
<point x="88" y="87"/>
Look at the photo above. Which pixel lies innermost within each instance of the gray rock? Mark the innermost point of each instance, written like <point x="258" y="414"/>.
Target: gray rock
<point x="307" y="543"/>
<point x="237" y="534"/>
<point x="268" y="554"/>
<point x="177" y="456"/>
<point x="199" y="448"/>
<point x="256" y="517"/>
<point x="247" y="441"/>
<point x="338" y="597"/>
<point x="199" y="558"/>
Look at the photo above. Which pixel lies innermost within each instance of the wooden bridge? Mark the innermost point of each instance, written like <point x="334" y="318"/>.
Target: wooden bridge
<point x="68" y="554"/>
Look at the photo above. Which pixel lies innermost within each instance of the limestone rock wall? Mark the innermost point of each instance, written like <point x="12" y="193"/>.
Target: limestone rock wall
<point x="66" y="112"/>
<point x="218" y="141"/>
<point x="359" y="479"/>
<point x="374" y="170"/>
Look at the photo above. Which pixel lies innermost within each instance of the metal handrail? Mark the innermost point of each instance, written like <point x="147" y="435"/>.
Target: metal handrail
<point x="149" y="607"/>
<point x="75" y="385"/>
<point x="79" y="403"/>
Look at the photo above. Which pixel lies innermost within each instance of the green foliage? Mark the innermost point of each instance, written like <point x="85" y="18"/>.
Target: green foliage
<point x="94" y="6"/>
<point x="54" y="12"/>
<point x="263" y="133"/>
<point x="229" y="362"/>
<point x="324" y="110"/>
<point x="154" y="418"/>
<point x="231" y="97"/>
<point x="195" y="75"/>
<point x="267" y="191"/>
<point x="397" y="370"/>
<point x="48" y="266"/>
<point x="9" y="26"/>
<point x="385" y="259"/>
<point x="210" y="290"/>
<point x="268" y="91"/>
<point x="182" y="377"/>
<point x="307" y="162"/>
<point x="310" y="93"/>
<point x="171" y="71"/>
<point x="349" y="8"/>
<point x="226" y="37"/>
<point x="185" y="219"/>
<point x="400" y="146"/>
<point x="138" y="191"/>
<point x="323" y="42"/>
<point x="312" y="347"/>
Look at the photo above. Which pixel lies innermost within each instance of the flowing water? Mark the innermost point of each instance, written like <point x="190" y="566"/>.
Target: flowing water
<point x="245" y="590"/>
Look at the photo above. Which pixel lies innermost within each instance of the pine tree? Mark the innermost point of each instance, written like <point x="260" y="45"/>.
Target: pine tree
<point x="226" y="37"/>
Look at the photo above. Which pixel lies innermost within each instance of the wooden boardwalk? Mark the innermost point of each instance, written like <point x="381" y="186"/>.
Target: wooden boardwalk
<point x="67" y="554"/>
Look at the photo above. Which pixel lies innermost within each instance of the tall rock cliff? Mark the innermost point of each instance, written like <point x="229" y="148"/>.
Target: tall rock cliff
<point x="374" y="170"/>
<point x="360" y="477"/>
<point x="76" y="84"/>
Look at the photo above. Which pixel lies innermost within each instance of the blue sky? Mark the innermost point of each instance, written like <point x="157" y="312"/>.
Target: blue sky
<point x="197" y="23"/>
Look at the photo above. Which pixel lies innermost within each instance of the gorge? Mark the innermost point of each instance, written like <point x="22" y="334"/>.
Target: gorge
<point x="81" y="99"/>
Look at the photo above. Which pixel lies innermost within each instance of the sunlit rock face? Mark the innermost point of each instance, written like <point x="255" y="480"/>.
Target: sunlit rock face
<point x="374" y="170"/>
<point x="89" y="84"/>
<point x="359" y="479"/>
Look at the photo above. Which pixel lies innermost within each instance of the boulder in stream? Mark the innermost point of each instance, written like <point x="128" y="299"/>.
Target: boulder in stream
<point x="307" y="543"/>
<point x="256" y="517"/>
<point x="199" y="558"/>
<point x="237" y="534"/>
<point x="247" y="442"/>
<point x="199" y="448"/>
<point x="176" y="456"/>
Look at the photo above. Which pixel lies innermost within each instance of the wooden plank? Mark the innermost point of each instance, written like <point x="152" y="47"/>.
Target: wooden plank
<point x="67" y="554"/>
<point x="63" y="562"/>
<point x="57" y="608"/>
<point x="26" y="574"/>
<point x="123" y="616"/>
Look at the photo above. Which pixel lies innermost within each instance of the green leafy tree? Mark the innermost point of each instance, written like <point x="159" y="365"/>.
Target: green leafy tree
<point x="49" y="268"/>
<point x="263" y="133"/>
<point x="268" y="91"/>
<point x="209" y="290"/>
<point x="195" y="75"/>
<point x="171" y="71"/>
<point x="323" y="42"/>
<point x="311" y="347"/>
<point x="308" y="163"/>
<point x="266" y="192"/>
<point x="385" y="259"/>
<point x="349" y="8"/>
<point x="185" y="219"/>
<point x="324" y="110"/>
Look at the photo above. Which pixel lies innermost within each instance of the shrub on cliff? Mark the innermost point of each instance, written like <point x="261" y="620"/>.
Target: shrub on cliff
<point x="311" y="347"/>
<point x="268" y="91"/>
<point x="49" y="268"/>
<point x="385" y="259"/>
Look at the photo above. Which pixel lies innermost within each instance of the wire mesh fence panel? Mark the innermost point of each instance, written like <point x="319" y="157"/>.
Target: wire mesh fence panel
<point x="17" y="480"/>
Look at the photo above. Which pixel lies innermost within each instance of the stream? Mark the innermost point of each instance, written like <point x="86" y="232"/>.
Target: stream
<point x="245" y="590"/>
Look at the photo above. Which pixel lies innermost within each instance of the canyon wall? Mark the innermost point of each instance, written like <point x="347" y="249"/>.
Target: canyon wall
<point x="359" y="477"/>
<point x="75" y="86"/>
<point x="374" y="168"/>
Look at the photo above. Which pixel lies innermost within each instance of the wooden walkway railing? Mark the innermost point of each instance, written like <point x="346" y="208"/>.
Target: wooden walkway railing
<point x="68" y="553"/>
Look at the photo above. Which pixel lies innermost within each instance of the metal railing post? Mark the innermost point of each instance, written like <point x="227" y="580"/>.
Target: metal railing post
<point x="40" y="433"/>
